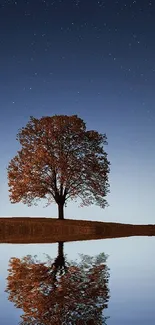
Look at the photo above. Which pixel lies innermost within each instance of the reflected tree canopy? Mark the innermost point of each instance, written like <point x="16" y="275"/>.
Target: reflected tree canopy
<point x="59" y="291"/>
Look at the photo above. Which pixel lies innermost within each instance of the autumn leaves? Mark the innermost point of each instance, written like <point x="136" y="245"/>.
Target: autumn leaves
<point x="59" y="160"/>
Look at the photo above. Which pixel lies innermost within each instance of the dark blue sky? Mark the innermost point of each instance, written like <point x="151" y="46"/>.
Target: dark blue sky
<point x="95" y="59"/>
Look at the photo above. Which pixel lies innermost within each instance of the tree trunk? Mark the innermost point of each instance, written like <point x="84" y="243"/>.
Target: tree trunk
<point x="61" y="211"/>
<point x="60" y="248"/>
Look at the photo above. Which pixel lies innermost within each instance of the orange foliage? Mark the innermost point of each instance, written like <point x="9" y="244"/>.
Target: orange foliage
<point x="77" y="295"/>
<point x="59" y="160"/>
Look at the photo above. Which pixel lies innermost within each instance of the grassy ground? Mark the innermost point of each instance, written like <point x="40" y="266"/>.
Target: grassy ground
<point x="49" y="230"/>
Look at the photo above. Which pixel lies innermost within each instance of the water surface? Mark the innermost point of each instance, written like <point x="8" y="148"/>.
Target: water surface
<point x="122" y="271"/>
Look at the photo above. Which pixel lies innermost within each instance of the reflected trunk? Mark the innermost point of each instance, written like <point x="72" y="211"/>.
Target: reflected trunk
<point x="61" y="249"/>
<point x="59" y="263"/>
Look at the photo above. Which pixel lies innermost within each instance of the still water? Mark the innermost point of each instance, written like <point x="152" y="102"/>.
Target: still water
<point x="108" y="281"/>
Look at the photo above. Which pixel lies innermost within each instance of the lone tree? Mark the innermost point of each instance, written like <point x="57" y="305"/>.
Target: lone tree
<point x="59" y="160"/>
<point x="77" y="295"/>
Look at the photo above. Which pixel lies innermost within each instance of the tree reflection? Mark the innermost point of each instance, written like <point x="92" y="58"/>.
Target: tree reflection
<point x="59" y="291"/>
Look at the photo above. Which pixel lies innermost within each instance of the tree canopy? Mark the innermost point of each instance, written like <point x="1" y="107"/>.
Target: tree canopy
<point x="63" y="292"/>
<point x="59" y="160"/>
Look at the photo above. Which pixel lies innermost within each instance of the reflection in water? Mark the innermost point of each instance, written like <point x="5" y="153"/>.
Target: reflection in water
<point x="59" y="291"/>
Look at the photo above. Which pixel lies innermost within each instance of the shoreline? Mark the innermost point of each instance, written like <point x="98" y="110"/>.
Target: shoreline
<point x="49" y="230"/>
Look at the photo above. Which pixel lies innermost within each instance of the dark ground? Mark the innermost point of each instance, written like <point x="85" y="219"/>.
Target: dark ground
<point x="49" y="230"/>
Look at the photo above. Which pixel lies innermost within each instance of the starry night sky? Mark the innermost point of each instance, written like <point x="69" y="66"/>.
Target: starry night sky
<point x="95" y="59"/>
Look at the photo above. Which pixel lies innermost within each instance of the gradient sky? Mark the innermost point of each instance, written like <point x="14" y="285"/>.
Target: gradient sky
<point x="95" y="59"/>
